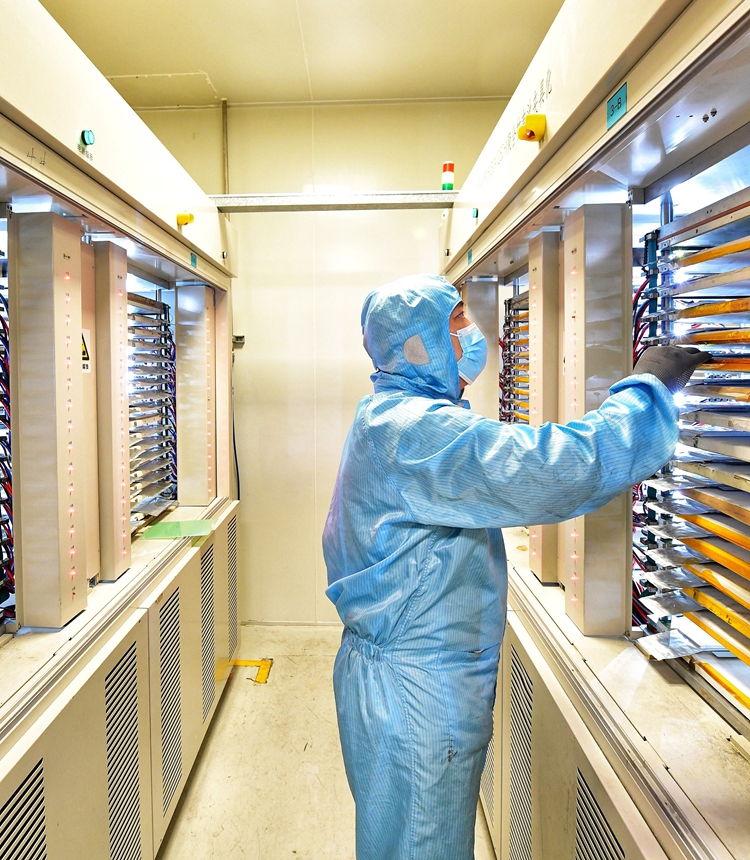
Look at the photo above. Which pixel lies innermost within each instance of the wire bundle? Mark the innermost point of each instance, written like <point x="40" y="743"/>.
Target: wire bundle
<point x="691" y="546"/>
<point x="7" y="574"/>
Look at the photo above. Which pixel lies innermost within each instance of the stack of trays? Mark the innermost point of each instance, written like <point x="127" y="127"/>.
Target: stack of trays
<point x="696" y="537"/>
<point x="152" y="410"/>
<point x="514" y="374"/>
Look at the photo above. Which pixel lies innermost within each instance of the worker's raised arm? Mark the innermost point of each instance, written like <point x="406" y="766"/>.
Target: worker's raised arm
<point x="457" y="469"/>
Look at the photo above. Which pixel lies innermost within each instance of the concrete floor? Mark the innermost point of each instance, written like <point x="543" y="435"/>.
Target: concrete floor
<point x="269" y="782"/>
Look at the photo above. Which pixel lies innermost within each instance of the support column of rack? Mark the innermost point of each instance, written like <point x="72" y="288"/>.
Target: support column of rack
<point x="596" y="547"/>
<point x="112" y="387"/>
<point x="48" y="404"/>
<point x="544" y="285"/>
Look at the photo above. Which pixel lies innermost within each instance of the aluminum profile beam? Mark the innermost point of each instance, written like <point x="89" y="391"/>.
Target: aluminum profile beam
<point x="334" y="202"/>
<point x="728" y="145"/>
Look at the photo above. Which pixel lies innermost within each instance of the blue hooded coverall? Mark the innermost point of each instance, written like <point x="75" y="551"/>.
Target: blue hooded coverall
<point x="417" y="568"/>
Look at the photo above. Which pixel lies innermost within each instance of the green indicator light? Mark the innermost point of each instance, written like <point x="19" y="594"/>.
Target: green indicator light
<point x="475" y="213"/>
<point x="87" y="137"/>
<point x="470" y="255"/>
<point x="194" y="261"/>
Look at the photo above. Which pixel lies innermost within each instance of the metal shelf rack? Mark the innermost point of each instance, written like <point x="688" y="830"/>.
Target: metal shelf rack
<point x="152" y="410"/>
<point x="514" y="373"/>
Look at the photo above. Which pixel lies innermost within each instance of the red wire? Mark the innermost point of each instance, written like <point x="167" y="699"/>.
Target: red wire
<point x="638" y="340"/>
<point x="640" y="289"/>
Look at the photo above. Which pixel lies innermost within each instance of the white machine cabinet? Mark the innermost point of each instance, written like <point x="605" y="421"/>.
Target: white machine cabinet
<point x="548" y="790"/>
<point x="78" y="783"/>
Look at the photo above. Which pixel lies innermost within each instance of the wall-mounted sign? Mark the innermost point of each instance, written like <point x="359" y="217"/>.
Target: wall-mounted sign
<point x="617" y="106"/>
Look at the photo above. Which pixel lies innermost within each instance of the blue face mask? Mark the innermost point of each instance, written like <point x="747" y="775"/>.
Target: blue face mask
<point x="474" y="357"/>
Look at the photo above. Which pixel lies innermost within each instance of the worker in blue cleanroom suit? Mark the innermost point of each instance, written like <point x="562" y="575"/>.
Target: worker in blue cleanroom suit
<point x="415" y="556"/>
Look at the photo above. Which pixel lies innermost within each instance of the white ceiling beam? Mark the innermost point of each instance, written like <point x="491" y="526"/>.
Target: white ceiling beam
<point x="333" y="202"/>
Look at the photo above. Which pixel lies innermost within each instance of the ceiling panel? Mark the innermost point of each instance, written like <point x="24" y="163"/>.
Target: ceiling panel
<point x="250" y="51"/>
<point x="188" y="88"/>
<point x="392" y="49"/>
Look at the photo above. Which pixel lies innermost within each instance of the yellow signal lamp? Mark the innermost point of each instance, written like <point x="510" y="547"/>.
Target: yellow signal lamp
<point x="184" y="218"/>
<point x="534" y="127"/>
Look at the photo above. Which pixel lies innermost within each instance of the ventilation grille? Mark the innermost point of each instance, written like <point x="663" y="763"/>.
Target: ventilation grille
<point x="24" y="834"/>
<point x="123" y="782"/>
<point x="594" y="836"/>
<point x="519" y="790"/>
<point x="488" y="782"/>
<point x="208" y="649"/>
<point x="232" y="574"/>
<point x="169" y="691"/>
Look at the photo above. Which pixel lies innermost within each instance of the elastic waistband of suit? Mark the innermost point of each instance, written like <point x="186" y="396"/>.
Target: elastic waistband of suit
<point x="375" y="652"/>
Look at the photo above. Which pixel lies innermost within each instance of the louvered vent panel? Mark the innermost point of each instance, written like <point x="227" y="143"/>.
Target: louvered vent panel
<point x="595" y="839"/>
<point x="208" y="649"/>
<point x="170" y="700"/>
<point x="232" y="574"/>
<point x="488" y="782"/>
<point x="24" y="835"/>
<point x="123" y="782"/>
<point x="519" y="790"/>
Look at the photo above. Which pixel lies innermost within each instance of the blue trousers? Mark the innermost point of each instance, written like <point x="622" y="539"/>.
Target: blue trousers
<point x="414" y="730"/>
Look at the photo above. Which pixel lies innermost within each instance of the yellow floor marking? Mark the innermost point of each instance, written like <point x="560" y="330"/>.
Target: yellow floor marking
<point x="264" y="668"/>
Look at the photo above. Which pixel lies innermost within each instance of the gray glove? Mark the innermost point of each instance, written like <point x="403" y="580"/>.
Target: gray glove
<point x="672" y="365"/>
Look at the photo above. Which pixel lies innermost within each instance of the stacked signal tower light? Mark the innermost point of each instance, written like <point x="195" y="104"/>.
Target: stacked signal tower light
<point x="448" y="175"/>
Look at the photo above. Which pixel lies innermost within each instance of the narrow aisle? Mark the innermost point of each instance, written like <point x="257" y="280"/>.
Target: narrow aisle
<point x="270" y="782"/>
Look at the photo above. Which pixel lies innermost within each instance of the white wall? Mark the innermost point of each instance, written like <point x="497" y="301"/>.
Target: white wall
<point x="302" y="280"/>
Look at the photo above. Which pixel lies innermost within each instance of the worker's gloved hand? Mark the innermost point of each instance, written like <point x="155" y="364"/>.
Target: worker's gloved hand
<point x="672" y="365"/>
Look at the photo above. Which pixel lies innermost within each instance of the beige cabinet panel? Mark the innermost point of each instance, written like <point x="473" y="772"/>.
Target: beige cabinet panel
<point x="77" y="783"/>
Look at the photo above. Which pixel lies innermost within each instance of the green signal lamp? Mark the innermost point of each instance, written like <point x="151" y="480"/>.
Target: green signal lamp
<point x="87" y="137"/>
